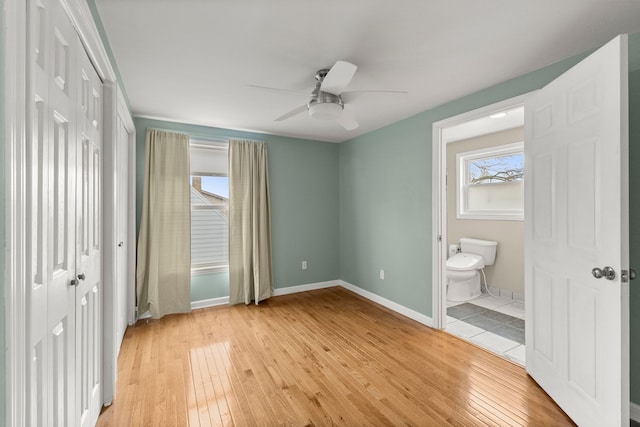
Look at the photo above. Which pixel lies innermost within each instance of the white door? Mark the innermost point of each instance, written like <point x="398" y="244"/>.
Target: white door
<point x="122" y="229"/>
<point x="576" y="203"/>
<point x="89" y="253"/>
<point x="63" y="249"/>
<point x="50" y="215"/>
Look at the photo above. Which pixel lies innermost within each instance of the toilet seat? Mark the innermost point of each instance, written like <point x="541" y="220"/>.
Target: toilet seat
<point x="465" y="262"/>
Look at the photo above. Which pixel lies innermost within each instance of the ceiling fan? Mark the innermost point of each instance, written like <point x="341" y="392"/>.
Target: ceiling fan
<point x="325" y="102"/>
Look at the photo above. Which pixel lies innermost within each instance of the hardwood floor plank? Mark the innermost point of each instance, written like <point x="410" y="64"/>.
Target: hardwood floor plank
<point x="326" y="357"/>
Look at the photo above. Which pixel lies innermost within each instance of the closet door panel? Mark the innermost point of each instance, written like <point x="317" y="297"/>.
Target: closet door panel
<point x="89" y="255"/>
<point x="37" y="210"/>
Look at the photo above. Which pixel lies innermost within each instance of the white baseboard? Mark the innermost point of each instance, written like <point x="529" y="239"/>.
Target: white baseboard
<point x="209" y="302"/>
<point x="394" y="306"/>
<point x="303" y="288"/>
<point x="195" y="305"/>
<point x="634" y="411"/>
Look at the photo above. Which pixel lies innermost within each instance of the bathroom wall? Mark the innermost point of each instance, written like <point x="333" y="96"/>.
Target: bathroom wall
<point x="508" y="271"/>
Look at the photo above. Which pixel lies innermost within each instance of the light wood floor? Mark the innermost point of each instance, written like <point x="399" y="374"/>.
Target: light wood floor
<point x="316" y="358"/>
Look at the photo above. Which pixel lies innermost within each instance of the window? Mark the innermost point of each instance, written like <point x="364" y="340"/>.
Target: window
<point x="209" y="207"/>
<point x="491" y="183"/>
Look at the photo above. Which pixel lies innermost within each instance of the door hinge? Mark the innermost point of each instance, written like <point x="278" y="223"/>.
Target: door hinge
<point x="439" y="237"/>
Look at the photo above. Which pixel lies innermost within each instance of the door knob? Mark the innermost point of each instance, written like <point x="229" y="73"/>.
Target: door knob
<point x="121" y="244"/>
<point x="632" y="274"/>
<point x="81" y="276"/>
<point x="73" y="282"/>
<point x="607" y="272"/>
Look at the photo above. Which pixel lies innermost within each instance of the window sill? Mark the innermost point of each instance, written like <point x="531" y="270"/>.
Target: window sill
<point x="492" y="216"/>
<point x="196" y="271"/>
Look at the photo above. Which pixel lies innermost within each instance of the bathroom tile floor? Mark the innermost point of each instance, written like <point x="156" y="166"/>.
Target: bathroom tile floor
<point x="494" y="323"/>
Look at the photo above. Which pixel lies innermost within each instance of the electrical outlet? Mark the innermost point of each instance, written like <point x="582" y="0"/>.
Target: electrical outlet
<point x="381" y="274"/>
<point x="304" y="265"/>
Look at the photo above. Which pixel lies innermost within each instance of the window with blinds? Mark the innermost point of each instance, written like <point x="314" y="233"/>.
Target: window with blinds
<point x="209" y="206"/>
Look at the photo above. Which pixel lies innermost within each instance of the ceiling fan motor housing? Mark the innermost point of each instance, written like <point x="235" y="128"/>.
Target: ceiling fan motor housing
<point x="324" y="105"/>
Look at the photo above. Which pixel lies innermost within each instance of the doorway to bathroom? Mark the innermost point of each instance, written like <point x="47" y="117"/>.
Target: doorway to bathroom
<point x="479" y="186"/>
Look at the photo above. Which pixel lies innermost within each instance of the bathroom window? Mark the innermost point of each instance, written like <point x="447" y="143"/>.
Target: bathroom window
<point x="491" y="183"/>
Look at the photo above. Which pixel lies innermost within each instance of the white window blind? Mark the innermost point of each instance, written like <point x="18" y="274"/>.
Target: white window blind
<point x="209" y="206"/>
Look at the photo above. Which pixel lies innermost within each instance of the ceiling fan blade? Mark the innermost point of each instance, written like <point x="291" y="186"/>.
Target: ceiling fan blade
<point x="275" y="89"/>
<point x="347" y="119"/>
<point x="338" y="77"/>
<point x="292" y="113"/>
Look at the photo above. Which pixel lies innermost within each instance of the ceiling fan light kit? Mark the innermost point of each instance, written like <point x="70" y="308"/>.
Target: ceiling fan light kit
<point x="324" y="105"/>
<point x="325" y="111"/>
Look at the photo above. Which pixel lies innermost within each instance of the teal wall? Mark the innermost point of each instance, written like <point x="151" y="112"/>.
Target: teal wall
<point x="385" y="213"/>
<point x="386" y="201"/>
<point x="303" y="176"/>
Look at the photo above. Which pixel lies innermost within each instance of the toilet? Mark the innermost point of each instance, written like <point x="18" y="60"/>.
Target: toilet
<point x="463" y="268"/>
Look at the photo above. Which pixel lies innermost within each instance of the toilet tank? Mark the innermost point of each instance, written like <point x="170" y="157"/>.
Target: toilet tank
<point x="484" y="248"/>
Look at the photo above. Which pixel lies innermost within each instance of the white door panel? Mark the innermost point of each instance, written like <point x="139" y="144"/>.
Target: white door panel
<point x="37" y="239"/>
<point x="56" y="203"/>
<point x="576" y="204"/>
<point x="88" y="291"/>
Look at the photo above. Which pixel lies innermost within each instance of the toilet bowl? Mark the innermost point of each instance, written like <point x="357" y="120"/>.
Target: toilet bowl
<point x="463" y="268"/>
<point x="463" y="274"/>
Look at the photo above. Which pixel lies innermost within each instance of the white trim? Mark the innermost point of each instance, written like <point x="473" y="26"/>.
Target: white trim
<point x="439" y="217"/>
<point x="15" y="84"/>
<point x="196" y="305"/>
<point x="110" y="346"/>
<point x="398" y="308"/>
<point x="82" y="20"/>
<point x="198" y="271"/>
<point x="114" y="107"/>
<point x="127" y="121"/>
<point x="394" y="306"/>
<point x="438" y="227"/>
<point x="634" y="411"/>
<point x="304" y="288"/>
<point x="222" y="127"/>
<point x="209" y="144"/>
<point x="462" y="184"/>
<point x="212" y="302"/>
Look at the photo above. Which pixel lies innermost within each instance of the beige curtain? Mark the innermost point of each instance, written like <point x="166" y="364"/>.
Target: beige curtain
<point x="163" y="273"/>
<point x="250" y="272"/>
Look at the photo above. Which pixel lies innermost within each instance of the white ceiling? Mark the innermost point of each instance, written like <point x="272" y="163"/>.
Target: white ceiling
<point x="192" y="60"/>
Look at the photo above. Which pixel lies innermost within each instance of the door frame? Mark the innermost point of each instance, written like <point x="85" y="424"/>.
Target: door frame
<point x="115" y="106"/>
<point x="439" y="200"/>
<point x="15" y="84"/>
